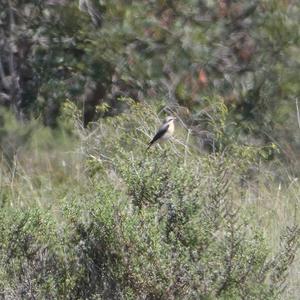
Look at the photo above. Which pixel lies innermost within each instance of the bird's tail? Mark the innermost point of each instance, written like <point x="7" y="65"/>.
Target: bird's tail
<point x="149" y="145"/>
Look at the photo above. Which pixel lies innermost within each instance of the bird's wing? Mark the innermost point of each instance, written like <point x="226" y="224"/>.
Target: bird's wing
<point x="161" y="131"/>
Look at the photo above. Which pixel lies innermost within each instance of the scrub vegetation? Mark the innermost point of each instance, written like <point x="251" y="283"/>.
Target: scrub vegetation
<point x="87" y="212"/>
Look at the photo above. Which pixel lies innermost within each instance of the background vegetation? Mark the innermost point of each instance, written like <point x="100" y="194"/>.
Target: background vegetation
<point x="86" y="213"/>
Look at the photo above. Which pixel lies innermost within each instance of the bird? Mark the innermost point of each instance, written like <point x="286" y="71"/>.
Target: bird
<point x="165" y="131"/>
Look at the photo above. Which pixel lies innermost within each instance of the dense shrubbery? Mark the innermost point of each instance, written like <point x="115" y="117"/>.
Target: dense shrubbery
<point x="163" y="224"/>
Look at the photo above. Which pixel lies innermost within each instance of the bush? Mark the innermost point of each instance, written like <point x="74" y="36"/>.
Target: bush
<point x="162" y="224"/>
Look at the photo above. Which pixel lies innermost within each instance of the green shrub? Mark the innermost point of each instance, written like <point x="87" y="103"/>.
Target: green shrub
<point x="163" y="224"/>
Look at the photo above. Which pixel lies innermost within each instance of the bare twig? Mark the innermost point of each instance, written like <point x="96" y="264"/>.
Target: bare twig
<point x="298" y="113"/>
<point x="88" y="7"/>
<point x="186" y="146"/>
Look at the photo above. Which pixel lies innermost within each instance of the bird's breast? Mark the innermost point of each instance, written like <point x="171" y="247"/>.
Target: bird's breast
<point x="169" y="132"/>
<point x="171" y="128"/>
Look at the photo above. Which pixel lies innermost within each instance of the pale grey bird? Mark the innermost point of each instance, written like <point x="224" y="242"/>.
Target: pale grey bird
<point x="164" y="132"/>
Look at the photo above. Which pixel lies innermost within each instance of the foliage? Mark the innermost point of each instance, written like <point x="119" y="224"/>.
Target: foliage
<point x="86" y="211"/>
<point x="246" y="52"/>
<point x="162" y="224"/>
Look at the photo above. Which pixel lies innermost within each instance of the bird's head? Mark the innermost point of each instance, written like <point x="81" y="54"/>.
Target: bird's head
<point x="170" y="119"/>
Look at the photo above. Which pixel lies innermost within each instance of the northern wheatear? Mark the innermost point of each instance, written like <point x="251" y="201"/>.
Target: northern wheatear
<point x="164" y="132"/>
